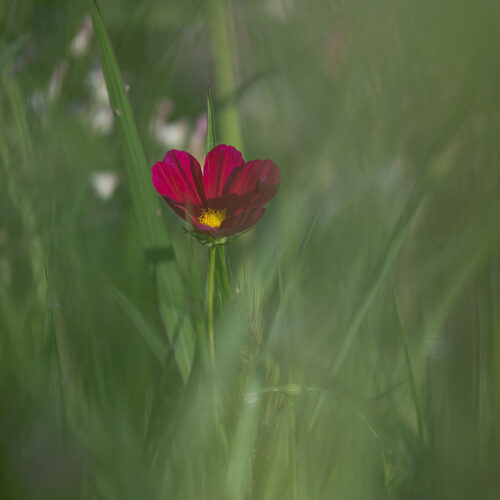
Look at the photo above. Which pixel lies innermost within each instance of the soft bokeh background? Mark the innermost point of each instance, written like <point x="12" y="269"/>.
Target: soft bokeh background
<point x="359" y="355"/>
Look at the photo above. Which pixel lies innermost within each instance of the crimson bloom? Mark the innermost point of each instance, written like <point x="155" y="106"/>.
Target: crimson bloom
<point x="224" y="200"/>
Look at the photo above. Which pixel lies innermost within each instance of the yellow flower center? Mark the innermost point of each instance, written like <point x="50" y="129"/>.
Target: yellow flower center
<point x="211" y="217"/>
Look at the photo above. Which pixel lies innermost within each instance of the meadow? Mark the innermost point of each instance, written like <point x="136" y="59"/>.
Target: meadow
<point x="357" y="348"/>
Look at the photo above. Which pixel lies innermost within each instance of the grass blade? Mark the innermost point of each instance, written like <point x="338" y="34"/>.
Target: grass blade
<point x="153" y="232"/>
<point x="463" y="101"/>
<point x="149" y="334"/>
<point x="411" y="370"/>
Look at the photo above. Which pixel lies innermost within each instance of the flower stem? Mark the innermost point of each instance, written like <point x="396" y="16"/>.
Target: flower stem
<point x="222" y="274"/>
<point x="211" y="272"/>
<point x="217" y="416"/>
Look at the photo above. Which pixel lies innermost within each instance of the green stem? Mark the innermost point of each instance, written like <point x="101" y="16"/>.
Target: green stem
<point x="222" y="275"/>
<point x="211" y="272"/>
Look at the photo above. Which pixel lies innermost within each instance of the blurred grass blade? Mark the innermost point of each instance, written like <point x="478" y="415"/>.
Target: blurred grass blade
<point x="11" y="51"/>
<point x="379" y="276"/>
<point x="220" y="23"/>
<point x="239" y="468"/>
<point x="462" y="103"/>
<point x="48" y="329"/>
<point x="153" y="233"/>
<point x="149" y="334"/>
<point x="354" y="408"/>
<point x="211" y="142"/>
<point x="411" y="369"/>
<point x="18" y="112"/>
<point x="134" y="158"/>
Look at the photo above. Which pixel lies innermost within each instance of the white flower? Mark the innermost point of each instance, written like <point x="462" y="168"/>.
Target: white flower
<point x="104" y="183"/>
<point x="80" y="43"/>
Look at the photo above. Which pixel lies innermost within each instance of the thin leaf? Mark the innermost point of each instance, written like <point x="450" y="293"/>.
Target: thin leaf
<point x="153" y="233"/>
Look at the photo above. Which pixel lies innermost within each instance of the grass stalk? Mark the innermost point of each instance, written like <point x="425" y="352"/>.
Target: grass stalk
<point x="220" y="23"/>
<point x="172" y="300"/>
<point x="411" y="371"/>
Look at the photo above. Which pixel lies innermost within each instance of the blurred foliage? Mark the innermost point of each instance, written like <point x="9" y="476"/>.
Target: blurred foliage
<point x="366" y="300"/>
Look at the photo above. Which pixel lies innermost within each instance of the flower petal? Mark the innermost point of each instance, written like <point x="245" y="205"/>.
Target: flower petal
<point x="244" y="220"/>
<point x="179" y="178"/>
<point x="190" y="217"/>
<point x="185" y="212"/>
<point x="231" y="226"/>
<point x="219" y="163"/>
<point x="251" y="185"/>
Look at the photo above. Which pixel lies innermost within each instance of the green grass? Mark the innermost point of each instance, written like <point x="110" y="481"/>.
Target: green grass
<point x="357" y="352"/>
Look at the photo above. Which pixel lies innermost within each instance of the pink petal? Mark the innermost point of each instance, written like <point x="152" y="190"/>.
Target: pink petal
<point x="190" y="217"/>
<point x="244" y="220"/>
<point x="251" y="185"/>
<point x="185" y="212"/>
<point x="179" y="178"/>
<point x="219" y="163"/>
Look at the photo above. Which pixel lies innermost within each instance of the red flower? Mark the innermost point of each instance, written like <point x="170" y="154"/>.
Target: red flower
<point x="224" y="200"/>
